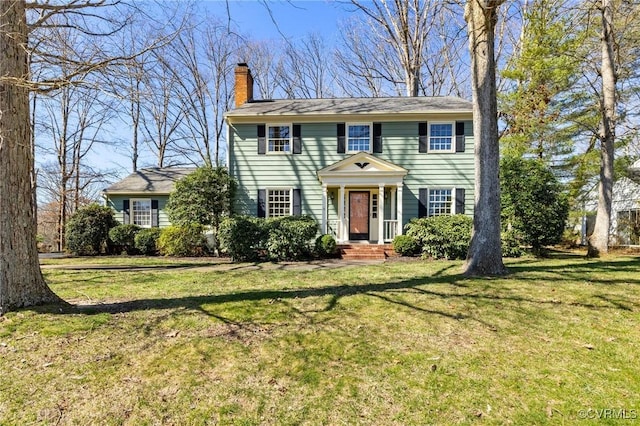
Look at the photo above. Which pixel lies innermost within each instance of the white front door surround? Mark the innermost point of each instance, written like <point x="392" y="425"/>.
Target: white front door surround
<point x="364" y="172"/>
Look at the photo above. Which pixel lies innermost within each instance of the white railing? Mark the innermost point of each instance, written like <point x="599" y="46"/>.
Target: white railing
<point x="390" y="229"/>
<point x="333" y="229"/>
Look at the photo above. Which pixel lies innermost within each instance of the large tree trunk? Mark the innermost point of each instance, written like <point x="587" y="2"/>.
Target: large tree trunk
<point x="21" y="281"/>
<point x="485" y="253"/>
<point x="599" y="240"/>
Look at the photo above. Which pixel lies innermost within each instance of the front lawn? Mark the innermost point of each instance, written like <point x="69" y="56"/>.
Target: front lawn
<point x="394" y="343"/>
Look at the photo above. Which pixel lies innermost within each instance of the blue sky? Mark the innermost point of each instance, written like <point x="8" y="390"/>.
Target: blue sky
<point x="294" y="18"/>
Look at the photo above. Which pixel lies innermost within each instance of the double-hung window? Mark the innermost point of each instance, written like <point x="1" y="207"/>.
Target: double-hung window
<point x="440" y="202"/>
<point x="358" y="137"/>
<point x="141" y="212"/>
<point x="279" y="202"/>
<point x="279" y="139"/>
<point x="441" y="137"/>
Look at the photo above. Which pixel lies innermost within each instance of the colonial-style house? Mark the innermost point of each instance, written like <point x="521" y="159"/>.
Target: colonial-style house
<point x="141" y="197"/>
<point x="363" y="167"/>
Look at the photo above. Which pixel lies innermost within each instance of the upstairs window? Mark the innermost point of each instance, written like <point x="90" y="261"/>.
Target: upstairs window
<point x="141" y="213"/>
<point x="439" y="202"/>
<point x="441" y="137"/>
<point x="359" y="137"/>
<point x="279" y="139"/>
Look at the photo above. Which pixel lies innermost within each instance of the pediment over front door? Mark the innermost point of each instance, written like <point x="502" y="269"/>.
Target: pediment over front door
<point x="361" y="168"/>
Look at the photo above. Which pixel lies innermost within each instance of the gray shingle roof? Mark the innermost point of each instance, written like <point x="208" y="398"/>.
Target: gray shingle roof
<point x="399" y="105"/>
<point x="152" y="180"/>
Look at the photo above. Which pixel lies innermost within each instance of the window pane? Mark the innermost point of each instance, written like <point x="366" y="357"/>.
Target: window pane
<point x="279" y="201"/>
<point x="279" y="139"/>
<point x="439" y="202"/>
<point x="359" y="138"/>
<point x="279" y="132"/>
<point x="141" y="212"/>
<point x="440" y="137"/>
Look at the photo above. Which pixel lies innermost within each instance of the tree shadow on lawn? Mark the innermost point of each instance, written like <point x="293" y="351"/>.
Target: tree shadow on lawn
<point x="463" y="289"/>
<point x="579" y="271"/>
<point x="128" y="268"/>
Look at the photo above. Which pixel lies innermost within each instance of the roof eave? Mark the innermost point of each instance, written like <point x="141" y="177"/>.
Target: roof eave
<point x="234" y="117"/>
<point x="125" y="192"/>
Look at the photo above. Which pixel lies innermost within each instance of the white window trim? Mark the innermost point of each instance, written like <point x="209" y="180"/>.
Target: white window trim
<point x="346" y="137"/>
<point x="269" y="152"/>
<point x="452" y="209"/>
<point x="132" y="211"/>
<point x="278" y="188"/>
<point x="453" y="137"/>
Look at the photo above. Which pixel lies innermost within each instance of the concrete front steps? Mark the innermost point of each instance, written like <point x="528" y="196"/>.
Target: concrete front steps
<point x="365" y="251"/>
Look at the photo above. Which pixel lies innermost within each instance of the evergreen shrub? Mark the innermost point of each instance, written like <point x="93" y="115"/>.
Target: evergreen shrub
<point x="442" y="237"/>
<point x="146" y="241"/>
<point x="186" y="240"/>
<point x="87" y="231"/>
<point x="325" y="246"/>
<point x="123" y="238"/>
<point x="406" y="245"/>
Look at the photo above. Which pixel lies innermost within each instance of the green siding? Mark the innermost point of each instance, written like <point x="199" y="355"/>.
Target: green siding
<point x="319" y="150"/>
<point x="116" y="201"/>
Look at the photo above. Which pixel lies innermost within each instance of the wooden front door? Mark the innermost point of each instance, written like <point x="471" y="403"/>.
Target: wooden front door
<point x="359" y="215"/>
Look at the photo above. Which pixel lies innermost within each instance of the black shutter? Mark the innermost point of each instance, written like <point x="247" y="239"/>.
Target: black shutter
<point x="297" y="142"/>
<point x="297" y="202"/>
<point x="423" y="142"/>
<point x="460" y="200"/>
<point x="154" y="214"/>
<point x="460" y="136"/>
<point x="377" y="138"/>
<point x="423" y="201"/>
<point x="262" y="140"/>
<point x="262" y="202"/>
<point x="125" y="212"/>
<point x="341" y="138"/>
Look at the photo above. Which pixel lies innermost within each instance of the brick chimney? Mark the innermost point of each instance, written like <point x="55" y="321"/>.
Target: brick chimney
<point x="244" y="84"/>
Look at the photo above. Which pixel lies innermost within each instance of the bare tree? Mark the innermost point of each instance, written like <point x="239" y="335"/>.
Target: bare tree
<point x="72" y="120"/>
<point x="364" y="62"/>
<point x="162" y="111"/>
<point x="21" y="281"/>
<point x="201" y="59"/>
<point x="134" y="81"/>
<point x="445" y="69"/>
<point x="86" y="186"/>
<point x="127" y="83"/>
<point x="402" y="27"/>
<point x="485" y="252"/>
<point x="305" y="70"/>
<point x="264" y="58"/>
<point x="76" y="120"/>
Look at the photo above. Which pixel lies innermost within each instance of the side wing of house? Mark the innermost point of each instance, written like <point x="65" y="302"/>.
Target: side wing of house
<point x="625" y="213"/>
<point x="370" y="171"/>
<point x="145" y="210"/>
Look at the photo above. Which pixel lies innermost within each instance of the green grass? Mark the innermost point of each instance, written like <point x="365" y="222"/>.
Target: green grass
<point x="394" y="343"/>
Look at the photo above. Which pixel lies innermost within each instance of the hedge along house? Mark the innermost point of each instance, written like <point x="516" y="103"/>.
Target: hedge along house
<point x="362" y="167"/>
<point x="141" y="197"/>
